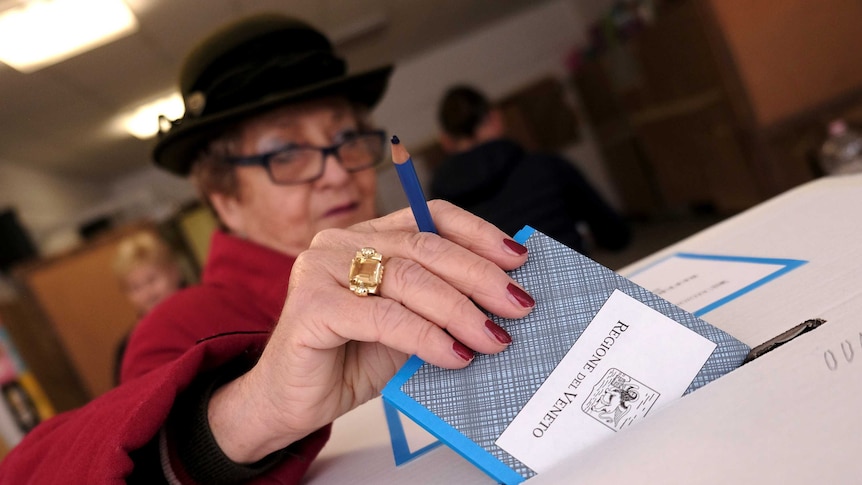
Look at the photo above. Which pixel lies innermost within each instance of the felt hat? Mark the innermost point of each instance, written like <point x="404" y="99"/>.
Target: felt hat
<point x="249" y="66"/>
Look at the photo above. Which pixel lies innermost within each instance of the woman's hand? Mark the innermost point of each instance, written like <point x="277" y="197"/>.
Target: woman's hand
<point x="333" y="350"/>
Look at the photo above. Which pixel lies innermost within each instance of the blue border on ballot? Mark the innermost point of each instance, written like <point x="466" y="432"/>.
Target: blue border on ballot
<point x="787" y="265"/>
<point x="400" y="447"/>
<point x="433" y="424"/>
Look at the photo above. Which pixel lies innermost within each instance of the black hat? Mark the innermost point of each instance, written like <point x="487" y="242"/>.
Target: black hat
<point x="250" y="66"/>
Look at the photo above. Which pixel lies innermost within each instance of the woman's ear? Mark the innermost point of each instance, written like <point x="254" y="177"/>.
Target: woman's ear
<point x="229" y="211"/>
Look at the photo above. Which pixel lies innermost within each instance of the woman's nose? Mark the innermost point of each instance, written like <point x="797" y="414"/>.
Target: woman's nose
<point x="333" y="171"/>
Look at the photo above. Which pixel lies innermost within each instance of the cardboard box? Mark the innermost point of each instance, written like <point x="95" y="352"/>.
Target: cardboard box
<point x="790" y="416"/>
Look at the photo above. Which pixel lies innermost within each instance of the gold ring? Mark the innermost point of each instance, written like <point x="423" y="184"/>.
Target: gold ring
<point x="366" y="272"/>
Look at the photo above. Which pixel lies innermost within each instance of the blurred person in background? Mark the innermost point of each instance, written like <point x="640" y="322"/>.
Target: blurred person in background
<point x="237" y="379"/>
<point x="493" y="177"/>
<point x="148" y="272"/>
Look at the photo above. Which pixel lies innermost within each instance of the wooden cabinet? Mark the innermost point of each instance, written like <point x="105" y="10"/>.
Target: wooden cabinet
<point x="86" y="308"/>
<point x="42" y="352"/>
<point x="71" y="313"/>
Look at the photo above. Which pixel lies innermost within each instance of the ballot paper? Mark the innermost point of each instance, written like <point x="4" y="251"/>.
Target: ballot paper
<point x="597" y="354"/>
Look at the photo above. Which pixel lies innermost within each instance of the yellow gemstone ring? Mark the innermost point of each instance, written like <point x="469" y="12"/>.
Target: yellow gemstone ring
<point x="366" y="272"/>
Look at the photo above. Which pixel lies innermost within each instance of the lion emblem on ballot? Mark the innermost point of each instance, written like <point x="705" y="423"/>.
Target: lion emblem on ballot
<point x="617" y="400"/>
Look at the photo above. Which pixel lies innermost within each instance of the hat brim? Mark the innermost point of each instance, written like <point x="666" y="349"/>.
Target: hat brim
<point x="176" y="150"/>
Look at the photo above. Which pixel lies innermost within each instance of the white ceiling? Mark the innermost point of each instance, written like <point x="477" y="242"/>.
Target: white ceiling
<point x="59" y="119"/>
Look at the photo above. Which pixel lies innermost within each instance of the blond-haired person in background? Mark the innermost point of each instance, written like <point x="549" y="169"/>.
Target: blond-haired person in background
<point x="148" y="272"/>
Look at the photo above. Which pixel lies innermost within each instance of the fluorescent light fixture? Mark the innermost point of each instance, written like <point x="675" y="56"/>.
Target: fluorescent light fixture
<point x="143" y="121"/>
<point x="38" y="33"/>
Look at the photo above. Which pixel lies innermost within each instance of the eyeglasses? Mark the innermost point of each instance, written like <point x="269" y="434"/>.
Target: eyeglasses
<point x="299" y="164"/>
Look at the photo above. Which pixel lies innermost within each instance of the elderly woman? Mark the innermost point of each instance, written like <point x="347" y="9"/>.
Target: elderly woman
<point x="239" y="377"/>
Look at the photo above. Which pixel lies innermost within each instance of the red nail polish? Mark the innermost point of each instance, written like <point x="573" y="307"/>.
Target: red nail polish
<point x="515" y="247"/>
<point x="498" y="332"/>
<point x="463" y="351"/>
<point x="523" y="298"/>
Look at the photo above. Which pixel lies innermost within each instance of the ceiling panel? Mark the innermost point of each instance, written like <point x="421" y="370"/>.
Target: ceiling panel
<point x="112" y="75"/>
<point x="173" y="26"/>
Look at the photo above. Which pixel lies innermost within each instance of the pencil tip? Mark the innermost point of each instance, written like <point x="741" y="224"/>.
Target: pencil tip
<point x="395" y="140"/>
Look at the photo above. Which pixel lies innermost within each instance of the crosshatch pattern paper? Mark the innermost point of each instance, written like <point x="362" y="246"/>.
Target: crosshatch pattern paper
<point x="481" y="400"/>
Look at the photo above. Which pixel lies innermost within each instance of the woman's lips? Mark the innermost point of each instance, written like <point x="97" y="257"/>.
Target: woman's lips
<point x="342" y="209"/>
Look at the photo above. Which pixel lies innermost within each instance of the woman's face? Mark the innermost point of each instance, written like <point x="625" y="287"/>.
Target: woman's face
<point x="286" y="217"/>
<point x="148" y="283"/>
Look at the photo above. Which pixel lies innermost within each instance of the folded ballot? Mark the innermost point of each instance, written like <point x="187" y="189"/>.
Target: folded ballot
<point x="597" y="354"/>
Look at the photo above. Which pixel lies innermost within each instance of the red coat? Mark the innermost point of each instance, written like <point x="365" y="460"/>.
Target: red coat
<point x="230" y="314"/>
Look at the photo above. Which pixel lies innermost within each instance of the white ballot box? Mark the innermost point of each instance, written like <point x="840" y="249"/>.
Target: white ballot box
<point x="789" y="416"/>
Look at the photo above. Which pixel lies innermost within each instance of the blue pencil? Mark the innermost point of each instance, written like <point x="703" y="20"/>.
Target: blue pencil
<point x="410" y="184"/>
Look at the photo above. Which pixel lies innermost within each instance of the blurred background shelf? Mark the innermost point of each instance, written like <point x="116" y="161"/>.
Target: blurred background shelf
<point x="718" y="104"/>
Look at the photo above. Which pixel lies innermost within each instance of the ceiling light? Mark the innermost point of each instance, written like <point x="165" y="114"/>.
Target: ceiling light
<point x="39" y="33"/>
<point x="143" y="121"/>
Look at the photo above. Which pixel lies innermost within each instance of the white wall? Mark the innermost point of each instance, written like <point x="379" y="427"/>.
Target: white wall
<point x="52" y="207"/>
<point x="592" y="9"/>
<point x="499" y="60"/>
<point x="151" y="192"/>
<point x="46" y="203"/>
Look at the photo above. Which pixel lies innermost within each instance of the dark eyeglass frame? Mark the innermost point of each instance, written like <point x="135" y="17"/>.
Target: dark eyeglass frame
<point x="264" y="158"/>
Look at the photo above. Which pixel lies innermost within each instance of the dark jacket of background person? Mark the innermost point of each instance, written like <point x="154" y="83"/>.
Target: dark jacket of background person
<point x="502" y="183"/>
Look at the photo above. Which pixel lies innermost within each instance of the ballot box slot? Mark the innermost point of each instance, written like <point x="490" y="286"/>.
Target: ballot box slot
<point x="783" y="338"/>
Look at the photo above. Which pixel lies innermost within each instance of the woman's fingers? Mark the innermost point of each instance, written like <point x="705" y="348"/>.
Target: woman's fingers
<point x="431" y="298"/>
<point x="383" y="320"/>
<point x="476" y="277"/>
<point x="430" y="289"/>
<point x="459" y="226"/>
